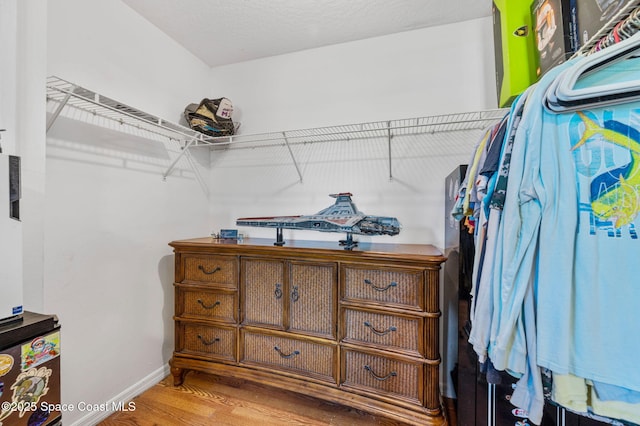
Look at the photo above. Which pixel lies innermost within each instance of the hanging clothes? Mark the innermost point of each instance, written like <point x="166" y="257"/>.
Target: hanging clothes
<point x="554" y="279"/>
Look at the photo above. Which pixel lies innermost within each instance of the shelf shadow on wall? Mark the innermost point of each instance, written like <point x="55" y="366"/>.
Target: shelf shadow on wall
<point x="104" y="144"/>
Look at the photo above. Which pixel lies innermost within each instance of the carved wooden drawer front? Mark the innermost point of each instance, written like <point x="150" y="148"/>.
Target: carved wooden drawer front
<point x="383" y="376"/>
<point x="297" y="356"/>
<point x="209" y="341"/>
<point x="400" y="287"/>
<point x="211" y="305"/>
<point x="392" y="332"/>
<point x="202" y="268"/>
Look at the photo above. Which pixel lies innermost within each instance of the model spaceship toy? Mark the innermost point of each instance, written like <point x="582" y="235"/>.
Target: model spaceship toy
<point x="342" y="216"/>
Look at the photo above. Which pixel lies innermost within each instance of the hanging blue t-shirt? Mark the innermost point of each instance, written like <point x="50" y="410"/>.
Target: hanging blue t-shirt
<point x="581" y="183"/>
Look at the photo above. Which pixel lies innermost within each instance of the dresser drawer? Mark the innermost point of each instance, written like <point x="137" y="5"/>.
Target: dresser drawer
<point x="210" y="269"/>
<point x="203" y="304"/>
<point x="214" y="342"/>
<point x="297" y="356"/>
<point x="383" y="376"/>
<point x="388" y="286"/>
<point x="387" y="332"/>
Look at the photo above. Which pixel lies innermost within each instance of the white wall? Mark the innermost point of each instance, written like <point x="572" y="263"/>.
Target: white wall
<point x="109" y="215"/>
<point x="22" y="41"/>
<point x="107" y="47"/>
<point x="412" y="74"/>
<point x="431" y="71"/>
<point x="30" y="124"/>
<point x="8" y="50"/>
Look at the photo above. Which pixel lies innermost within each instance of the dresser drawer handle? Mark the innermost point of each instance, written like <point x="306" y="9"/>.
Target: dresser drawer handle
<point x="207" y="306"/>
<point x="392" y="284"/>
<point x="204" y="341"/>
<point x="294" y="294"/>
<point x="380" y="378"/>
<point x="291" y="355"/>
<point x="278" y="291"/>
<point x="378" y="332"/>
<point x="216" y="269"/>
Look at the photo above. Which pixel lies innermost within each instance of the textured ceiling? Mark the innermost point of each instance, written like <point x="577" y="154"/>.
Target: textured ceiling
<point x="222" y="32"/>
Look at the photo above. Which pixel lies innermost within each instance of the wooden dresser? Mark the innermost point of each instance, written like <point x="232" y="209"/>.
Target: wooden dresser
<point x="358" y="327"/>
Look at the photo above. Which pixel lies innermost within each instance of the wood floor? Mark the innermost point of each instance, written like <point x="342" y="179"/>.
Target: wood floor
<point x="205" y="399"/>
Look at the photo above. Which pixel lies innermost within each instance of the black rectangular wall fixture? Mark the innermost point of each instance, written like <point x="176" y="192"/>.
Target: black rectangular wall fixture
<point x="14" y="187"/>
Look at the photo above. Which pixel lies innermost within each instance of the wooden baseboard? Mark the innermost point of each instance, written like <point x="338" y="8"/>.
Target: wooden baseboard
<point x="450" y="410"/>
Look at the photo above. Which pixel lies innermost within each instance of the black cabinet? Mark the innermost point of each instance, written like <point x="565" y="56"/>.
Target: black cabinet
<point x="30" y="371"/>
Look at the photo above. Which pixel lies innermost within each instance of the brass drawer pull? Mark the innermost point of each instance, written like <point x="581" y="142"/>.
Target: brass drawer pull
<point x="380" y="378"/>
<point x="204" y="341"/>
<point x="294" y="294"/>
<point x="392" y="284"/>
<point x="291" y="355"/>
<point x="216" y="269"/>
<point x="207" y="306"/>
<point x="378" y="332"/>
<point x="278" y="291"/>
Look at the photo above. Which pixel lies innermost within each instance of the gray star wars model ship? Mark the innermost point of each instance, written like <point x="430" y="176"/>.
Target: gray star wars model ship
<point x="342" y="216"/>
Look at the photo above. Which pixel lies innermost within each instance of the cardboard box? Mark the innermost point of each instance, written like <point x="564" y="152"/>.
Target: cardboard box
<point x="554" y="23"/>
<point x="515" y="55"/>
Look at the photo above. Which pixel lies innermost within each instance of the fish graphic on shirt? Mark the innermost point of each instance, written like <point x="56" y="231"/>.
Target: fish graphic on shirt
<point x="614" y="196"/>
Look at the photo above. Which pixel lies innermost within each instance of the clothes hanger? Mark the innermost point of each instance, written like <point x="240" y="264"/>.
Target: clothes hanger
<point x="622" y="30"/>
<point x="562" y="95"/>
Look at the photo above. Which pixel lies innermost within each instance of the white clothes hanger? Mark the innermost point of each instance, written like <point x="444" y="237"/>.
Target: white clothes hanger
<point x="562" y="95"/>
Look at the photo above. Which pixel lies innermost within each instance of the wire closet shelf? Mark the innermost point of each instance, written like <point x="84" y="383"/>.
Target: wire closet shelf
<point x="68" y="95"/>
<point x="371" y="130"/>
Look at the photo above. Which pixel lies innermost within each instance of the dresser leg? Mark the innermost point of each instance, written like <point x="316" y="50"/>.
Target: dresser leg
<point x="178" y="374"/>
